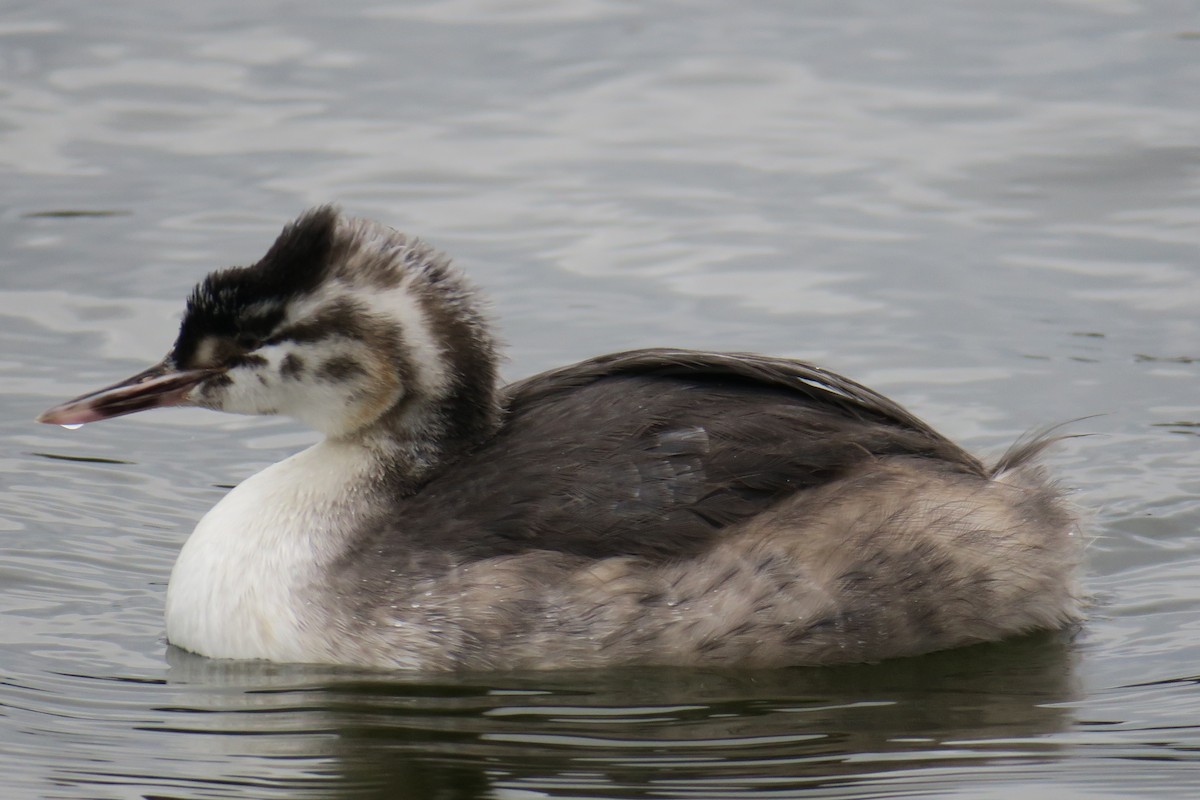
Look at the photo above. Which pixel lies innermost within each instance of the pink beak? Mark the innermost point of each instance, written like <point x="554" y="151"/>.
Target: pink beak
<point x="160" y="386"/>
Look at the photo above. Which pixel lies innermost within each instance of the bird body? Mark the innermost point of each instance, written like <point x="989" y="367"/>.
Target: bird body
<point x="648" y="507"/>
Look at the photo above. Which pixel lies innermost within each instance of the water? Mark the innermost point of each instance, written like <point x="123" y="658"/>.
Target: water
<point x="986" y="210"/>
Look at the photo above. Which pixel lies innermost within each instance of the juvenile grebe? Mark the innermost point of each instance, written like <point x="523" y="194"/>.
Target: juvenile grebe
<point x="647" y="507"/>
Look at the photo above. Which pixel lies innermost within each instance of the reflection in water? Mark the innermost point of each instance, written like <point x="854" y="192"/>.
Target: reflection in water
<point x="627" y="733"/>
<point x="70" y="213"/>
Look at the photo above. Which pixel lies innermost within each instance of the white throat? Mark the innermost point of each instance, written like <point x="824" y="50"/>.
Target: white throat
<point x="245" y="581"/>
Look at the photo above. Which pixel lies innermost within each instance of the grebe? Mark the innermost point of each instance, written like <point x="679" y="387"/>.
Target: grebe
<point x="646" y="507"/>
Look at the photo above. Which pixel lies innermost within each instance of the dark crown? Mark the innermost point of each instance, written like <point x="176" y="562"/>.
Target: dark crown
<point x="249" y="301"/>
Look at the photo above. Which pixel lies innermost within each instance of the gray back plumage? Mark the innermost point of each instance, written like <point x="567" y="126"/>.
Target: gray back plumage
<point x="651" y="454"/>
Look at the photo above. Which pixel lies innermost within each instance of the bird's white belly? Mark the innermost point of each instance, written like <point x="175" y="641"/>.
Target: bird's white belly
<point x="244" y="582"/>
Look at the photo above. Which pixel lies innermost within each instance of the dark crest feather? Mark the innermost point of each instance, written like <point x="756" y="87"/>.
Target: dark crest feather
<point x="295" y="265"/>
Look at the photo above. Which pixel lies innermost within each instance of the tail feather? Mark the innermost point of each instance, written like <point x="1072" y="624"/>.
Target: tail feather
<point x="1031" y="445"/>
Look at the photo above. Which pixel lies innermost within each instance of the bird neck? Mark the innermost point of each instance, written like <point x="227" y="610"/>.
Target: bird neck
<point x="245" y="581"/>
<point x="416" y="438"/>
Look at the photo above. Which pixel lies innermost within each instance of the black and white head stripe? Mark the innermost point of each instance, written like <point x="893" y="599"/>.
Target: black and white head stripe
<point x="247" y="303"/>
<point x="342" y="321"/>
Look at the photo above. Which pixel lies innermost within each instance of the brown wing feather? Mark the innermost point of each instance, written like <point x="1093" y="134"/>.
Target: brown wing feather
<point x="817" y="386"/>
<point x="652" y="453"/>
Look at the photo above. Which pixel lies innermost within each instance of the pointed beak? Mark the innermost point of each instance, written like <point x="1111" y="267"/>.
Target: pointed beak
<point x="160" y="386"/>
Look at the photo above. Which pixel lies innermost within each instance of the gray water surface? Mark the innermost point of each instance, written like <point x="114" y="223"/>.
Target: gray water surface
<point x="990" y="211"/>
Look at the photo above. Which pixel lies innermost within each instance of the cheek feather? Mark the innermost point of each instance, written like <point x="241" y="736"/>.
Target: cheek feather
<point x="381" y="388"/>
<point x="210" y="394"/>
<point x="252" y="390"/>
<point x="416" y="347"/>
<point x="340" y="369"/>
<point x="249" y="360"/>
<point x="292" y="367"/>
<point x="336" y="384"/>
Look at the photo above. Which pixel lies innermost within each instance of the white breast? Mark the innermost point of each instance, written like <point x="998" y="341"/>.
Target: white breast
<point x="243" y="580"/>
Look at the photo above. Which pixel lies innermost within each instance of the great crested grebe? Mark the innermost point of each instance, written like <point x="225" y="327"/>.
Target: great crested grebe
<point x="648" y="507"/>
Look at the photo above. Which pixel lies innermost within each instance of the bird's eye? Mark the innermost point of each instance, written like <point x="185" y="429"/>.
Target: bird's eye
<point x="248" y="341"/>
